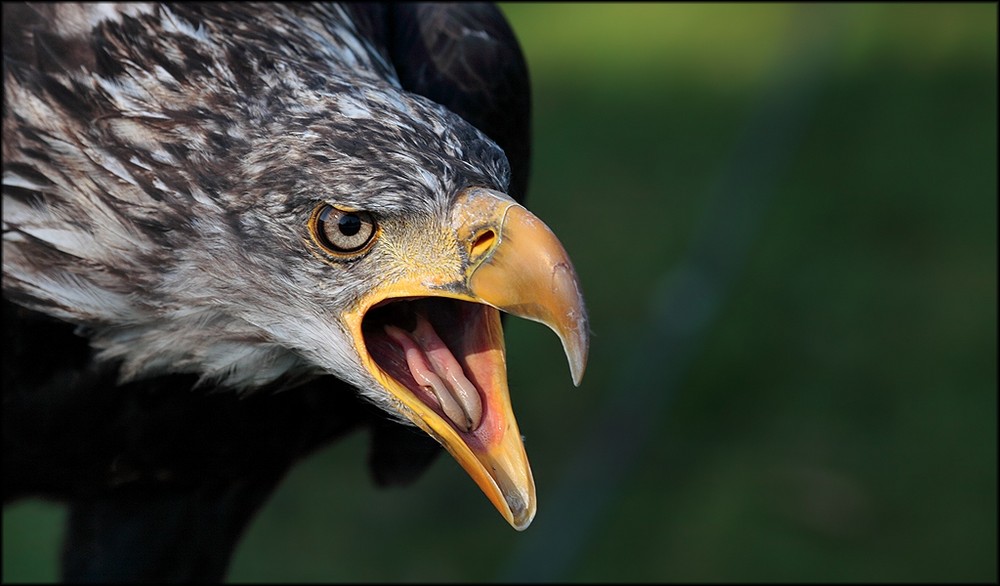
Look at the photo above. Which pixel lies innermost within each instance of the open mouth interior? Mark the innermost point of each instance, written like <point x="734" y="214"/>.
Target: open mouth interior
<point x="441" y="350"/>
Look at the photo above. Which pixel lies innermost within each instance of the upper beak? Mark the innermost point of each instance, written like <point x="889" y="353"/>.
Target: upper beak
<point x="527" y="273"/>
<point x="513" y="263"/>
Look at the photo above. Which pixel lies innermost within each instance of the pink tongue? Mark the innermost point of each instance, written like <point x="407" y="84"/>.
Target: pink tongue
<point x="435" y="368"/>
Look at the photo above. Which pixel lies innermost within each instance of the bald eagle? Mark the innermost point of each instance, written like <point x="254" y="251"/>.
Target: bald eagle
<point x="234" y="232"/>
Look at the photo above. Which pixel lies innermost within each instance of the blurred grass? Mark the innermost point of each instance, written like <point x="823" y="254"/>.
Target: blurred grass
<point x="840" y="421"/>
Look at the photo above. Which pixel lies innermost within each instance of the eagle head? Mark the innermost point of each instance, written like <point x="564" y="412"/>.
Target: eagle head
<point x="255" y="217"/>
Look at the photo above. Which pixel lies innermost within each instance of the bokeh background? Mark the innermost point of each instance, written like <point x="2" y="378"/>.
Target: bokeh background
<point x="784" y="217"/>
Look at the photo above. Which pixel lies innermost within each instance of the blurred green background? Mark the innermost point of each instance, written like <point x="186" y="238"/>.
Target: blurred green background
<point x="784" y="217"/>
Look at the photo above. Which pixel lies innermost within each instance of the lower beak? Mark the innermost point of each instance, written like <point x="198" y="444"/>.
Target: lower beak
<point x="514" y="264"/>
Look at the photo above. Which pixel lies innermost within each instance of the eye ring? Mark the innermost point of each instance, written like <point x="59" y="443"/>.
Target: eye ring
<point x="342" y="232"/>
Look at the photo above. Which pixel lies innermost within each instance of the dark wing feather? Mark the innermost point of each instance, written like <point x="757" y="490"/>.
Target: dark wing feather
<point x="466" y="58"/>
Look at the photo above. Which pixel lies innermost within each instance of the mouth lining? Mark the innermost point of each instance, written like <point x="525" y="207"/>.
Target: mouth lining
<point x="395" y="334"/>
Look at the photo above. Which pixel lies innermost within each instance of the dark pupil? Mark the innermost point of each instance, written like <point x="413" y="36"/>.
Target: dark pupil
<point x="349" y="224"/>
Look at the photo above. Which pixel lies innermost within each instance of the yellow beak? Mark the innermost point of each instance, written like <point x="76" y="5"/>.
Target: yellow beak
<point x="433" y="339"/>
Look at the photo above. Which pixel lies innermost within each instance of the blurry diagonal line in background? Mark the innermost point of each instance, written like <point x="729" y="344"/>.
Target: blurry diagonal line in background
<point x="684" y="305"/>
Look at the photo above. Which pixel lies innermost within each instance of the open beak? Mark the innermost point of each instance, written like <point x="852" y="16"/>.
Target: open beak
<point x="433" y="339"/>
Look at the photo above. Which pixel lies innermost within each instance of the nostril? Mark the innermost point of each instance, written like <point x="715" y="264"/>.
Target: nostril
<point x="482" y="243"/>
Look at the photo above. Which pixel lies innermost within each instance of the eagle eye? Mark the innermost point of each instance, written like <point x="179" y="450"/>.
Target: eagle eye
<point x="342" y="231"/>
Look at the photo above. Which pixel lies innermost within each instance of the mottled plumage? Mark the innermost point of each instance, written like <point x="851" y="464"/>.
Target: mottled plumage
<point x="203" y="137"/>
